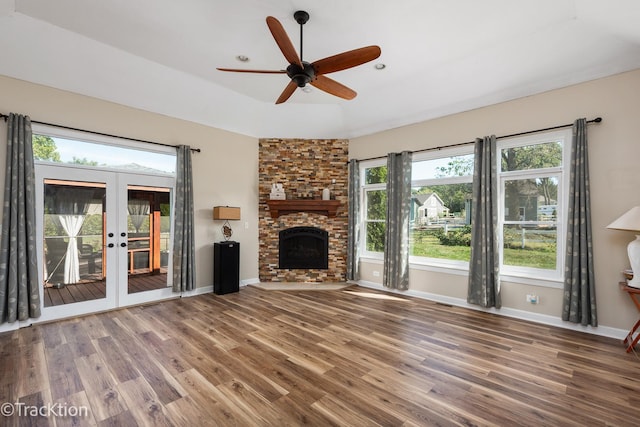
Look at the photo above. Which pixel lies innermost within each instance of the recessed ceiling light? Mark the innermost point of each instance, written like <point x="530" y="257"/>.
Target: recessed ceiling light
<point x="242" y="58"/>
<point x="380" y="66"/>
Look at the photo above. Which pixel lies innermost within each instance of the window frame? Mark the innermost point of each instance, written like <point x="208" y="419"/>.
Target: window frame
<point x="364" y="188"/>
<point x="445" y="153"/>
<point x="516" y="274"/>
<point x="552" y="278"/>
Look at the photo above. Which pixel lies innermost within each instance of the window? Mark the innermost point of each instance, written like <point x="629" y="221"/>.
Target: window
<point x="532" y="200"/>
<point x="50" y="147"/>
<point x="440" y="221"/>
<point x="532" y="179"/>
<point x="374" y="179"/>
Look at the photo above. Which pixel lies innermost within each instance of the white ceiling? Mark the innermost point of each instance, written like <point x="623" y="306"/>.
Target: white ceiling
<point x="441" y="57"/>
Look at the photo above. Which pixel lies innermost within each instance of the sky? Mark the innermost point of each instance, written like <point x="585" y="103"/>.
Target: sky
<point x="113" y="156"/>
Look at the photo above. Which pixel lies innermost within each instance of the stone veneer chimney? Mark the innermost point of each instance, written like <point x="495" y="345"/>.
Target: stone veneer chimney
<point x="302" y="166"/>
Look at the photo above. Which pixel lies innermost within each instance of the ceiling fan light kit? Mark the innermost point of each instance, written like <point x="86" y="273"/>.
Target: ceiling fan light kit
<point x="302" y="73"/>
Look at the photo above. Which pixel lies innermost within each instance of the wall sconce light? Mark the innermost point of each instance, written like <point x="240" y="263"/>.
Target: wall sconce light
<point x="226" y="213"/>
<point x="630" y="221"/>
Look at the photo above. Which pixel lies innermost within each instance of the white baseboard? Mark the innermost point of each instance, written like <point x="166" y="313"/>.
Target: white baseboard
<point x="197" y="291"/>
<point x="246" y="282"/>
<point x="8" y="327"/>
<point x="209" y="289"/>
<point x="544" y="319"/>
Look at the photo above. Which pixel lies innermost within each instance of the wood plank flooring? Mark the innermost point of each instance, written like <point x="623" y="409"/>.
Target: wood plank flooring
<point x="350" y="357"/>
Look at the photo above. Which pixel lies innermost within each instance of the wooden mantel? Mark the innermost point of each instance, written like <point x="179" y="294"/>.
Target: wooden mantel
<point x="323" y="207"/>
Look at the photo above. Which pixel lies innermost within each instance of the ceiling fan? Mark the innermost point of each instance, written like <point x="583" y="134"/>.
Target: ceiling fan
<point x="302" y="72"/>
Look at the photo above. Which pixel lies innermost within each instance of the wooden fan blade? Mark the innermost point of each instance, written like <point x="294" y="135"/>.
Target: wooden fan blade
<point x="283" y="41"/>
<point x="333" y="87"/>
<point x="345" y="60"/>
<point x="287" y="92"/>
<point x="238" y="70"/>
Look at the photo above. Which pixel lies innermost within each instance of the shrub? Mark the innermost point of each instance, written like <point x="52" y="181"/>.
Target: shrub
<point x="456" y="237"/>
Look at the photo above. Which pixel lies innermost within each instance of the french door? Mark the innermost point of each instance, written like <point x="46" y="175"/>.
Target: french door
<point x="104" y="239"/>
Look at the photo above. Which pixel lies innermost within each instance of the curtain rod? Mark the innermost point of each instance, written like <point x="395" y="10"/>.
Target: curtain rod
<point x="5" y="117"/>
<point x="460" y="144"/>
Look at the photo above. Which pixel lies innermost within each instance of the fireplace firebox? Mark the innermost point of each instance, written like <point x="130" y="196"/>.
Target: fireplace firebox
<point x="304" y="248"/>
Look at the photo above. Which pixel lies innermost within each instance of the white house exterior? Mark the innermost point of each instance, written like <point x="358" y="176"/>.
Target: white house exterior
<point x="428" y="208"/>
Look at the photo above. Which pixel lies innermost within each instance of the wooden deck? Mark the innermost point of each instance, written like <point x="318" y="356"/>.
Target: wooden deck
<point x="96" y="289"/>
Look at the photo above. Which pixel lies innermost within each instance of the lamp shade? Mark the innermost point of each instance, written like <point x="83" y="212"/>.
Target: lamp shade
<point x="226" y="213"/>
<point x="630" y="221"/>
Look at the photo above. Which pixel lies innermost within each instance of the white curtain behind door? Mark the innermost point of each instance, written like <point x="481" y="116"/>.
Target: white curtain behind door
<point x="138" y="211"/>
<point x="72" y="225"/>
<point x="71" y="204"/>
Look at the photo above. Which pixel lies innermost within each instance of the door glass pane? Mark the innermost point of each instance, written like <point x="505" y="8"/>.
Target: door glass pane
<point x="74" y="263"/>
<point x="148" y="232"/>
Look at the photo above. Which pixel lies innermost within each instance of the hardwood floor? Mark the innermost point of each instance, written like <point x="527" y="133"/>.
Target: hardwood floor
<point x="351" y="357"/>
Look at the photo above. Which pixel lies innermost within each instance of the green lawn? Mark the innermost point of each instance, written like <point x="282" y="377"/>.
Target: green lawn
<point x="426" y="244"/>
<point x="536" y="255"/>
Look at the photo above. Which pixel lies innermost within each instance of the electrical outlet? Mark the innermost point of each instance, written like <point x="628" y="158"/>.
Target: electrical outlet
<point x="376" y="273"/>
<point x="533" y="299"/>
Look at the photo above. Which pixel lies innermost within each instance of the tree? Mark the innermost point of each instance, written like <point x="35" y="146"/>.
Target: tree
<point x="83" y="161"/>
<point x="377" y="175"/>
<point x="457" y="166"/>
<point x="44" y="148"/>
<point x="529" y="157"/>
<point x="454" y="196"/>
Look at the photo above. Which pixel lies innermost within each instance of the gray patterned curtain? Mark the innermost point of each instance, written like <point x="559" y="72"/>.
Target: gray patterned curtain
<point x="396" y="247"/>
<point x="19" y="282"/>
<point x="184" y="252"/>
<point x="484" y="266"/>
<point x="353" y="226"/>
<point x="579" y="301"/>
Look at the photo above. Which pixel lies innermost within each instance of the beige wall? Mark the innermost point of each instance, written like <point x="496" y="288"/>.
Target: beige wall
<point x="614" y="152"/>
<point x="224" y="173"/>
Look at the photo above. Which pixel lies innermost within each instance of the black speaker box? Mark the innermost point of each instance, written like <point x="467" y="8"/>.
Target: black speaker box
<point x="226" y="267"/>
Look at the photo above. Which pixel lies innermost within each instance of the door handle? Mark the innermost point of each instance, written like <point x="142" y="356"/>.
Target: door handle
<point x="110" y="245"/>
<point x="123" y="244"/>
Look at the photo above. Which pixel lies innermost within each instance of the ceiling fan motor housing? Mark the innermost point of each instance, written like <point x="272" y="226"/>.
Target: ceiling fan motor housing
<point x="301" y="76"/>
<point x="301" y="17"/>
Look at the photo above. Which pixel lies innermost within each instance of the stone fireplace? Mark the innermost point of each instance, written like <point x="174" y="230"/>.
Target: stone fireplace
<point x="305" y="168"/>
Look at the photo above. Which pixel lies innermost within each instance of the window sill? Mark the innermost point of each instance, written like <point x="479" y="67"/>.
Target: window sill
<point x="462" y="269"/>
<point x="542" y="282"/>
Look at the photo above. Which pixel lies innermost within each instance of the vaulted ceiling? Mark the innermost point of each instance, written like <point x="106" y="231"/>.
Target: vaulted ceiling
<point x="440" y="57"/>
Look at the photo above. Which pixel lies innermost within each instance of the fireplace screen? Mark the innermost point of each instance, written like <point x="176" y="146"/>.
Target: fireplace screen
<point x="304" y="247"/>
